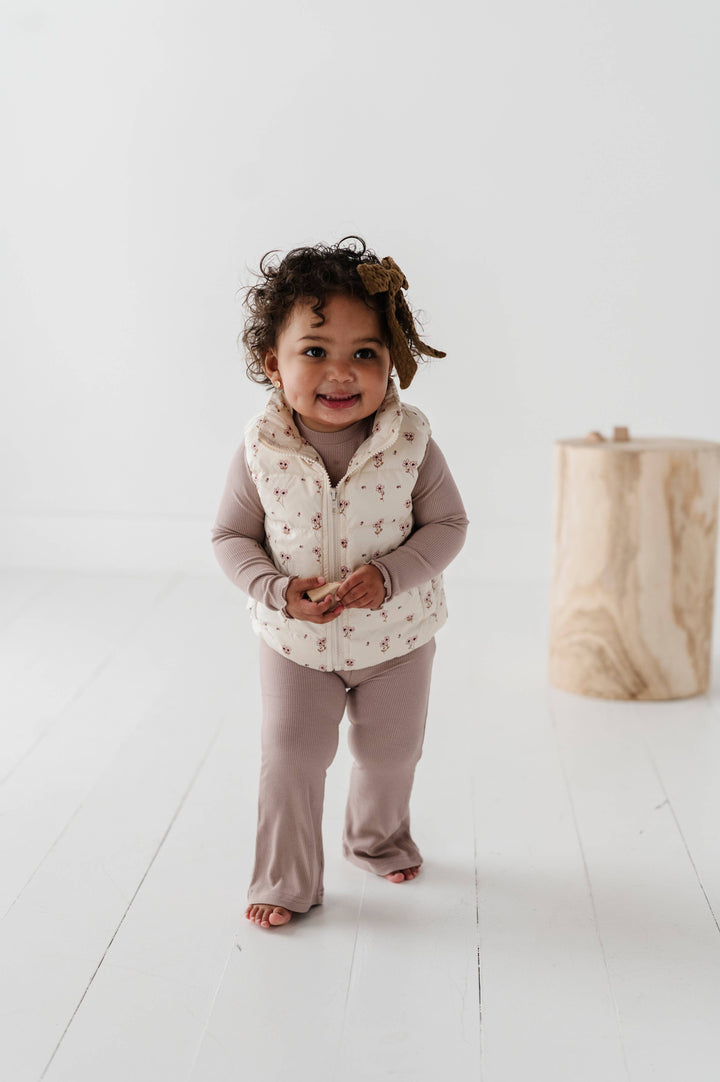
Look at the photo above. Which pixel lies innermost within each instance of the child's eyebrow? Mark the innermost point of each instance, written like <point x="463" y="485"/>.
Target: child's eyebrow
<point x="324" y="338"/>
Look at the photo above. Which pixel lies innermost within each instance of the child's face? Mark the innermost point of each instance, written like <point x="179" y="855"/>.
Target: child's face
<point x="334" y="373"/>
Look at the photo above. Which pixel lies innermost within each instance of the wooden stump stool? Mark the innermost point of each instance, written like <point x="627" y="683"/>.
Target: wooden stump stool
<point x="635" y="532"/>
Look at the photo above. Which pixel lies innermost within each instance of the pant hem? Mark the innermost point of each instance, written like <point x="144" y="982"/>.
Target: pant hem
<point x="384" y="867"/>
<point x="287" y="901"/>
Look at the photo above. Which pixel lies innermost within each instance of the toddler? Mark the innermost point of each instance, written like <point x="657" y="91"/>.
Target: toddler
<point x="338" y="484"/>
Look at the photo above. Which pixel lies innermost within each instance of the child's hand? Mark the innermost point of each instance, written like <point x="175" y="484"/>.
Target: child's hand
<point x="301" y="608"/>
<point x="364" y="589"/>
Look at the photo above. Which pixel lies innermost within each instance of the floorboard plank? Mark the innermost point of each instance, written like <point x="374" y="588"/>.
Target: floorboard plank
<point x="54" y="938"/>
<point x="145" y="1012"/>
<point x="412" y="1009"/>
<point x="659" y="937"/>
<point x="55" y="647"/>
<point x="47" y="787"/>
<point x="548" y="1011"/>
<point x="683" y="742"/>
<point x="19" y="588"/>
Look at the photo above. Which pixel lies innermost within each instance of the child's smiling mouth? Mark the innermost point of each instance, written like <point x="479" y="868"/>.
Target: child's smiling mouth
<point x="339" y="401"/>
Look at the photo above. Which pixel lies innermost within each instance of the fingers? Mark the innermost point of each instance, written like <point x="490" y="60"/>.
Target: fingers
<point x="299" y="607"/>
<point x="303" y="585"/>
<point x="363" y="589"/>
<point x="317" y="612"/>
<point x="356" y="598"/>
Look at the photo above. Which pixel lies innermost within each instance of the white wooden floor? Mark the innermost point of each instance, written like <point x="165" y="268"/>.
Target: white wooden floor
<point x="564" y="928"/>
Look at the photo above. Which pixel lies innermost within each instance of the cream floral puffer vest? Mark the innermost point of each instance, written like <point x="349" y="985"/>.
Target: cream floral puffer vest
<point x="314" y="529"/>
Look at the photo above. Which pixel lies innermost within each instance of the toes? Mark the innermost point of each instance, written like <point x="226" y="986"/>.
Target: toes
<point x="403" y="875"/>
<point x="267" y="915"/>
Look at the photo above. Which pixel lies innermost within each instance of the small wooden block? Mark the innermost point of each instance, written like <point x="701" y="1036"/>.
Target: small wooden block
<point x="322" y="591"/>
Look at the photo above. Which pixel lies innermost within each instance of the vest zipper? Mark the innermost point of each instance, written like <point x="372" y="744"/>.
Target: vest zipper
<point x="333" y="575"/>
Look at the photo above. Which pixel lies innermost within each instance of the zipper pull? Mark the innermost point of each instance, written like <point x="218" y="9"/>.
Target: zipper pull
<point x="333" y="496"/>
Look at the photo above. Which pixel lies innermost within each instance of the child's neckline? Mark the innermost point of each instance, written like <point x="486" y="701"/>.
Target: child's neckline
<point x="327" y="439"/>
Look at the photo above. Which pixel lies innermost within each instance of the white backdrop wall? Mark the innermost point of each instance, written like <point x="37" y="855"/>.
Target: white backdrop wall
<point x="545" y="173"/>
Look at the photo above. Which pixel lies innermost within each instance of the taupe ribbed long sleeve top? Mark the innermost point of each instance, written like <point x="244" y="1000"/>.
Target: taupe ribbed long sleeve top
<point x="440" y="523"/>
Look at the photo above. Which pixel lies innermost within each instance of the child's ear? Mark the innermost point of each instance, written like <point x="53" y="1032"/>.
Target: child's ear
<point x="271" y="365"/>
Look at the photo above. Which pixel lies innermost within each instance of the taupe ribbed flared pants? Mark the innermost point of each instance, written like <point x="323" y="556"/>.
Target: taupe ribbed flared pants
<point x="302" y="710"/>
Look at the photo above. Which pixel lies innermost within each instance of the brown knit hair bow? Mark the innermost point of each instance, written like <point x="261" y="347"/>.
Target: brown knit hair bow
<point x="386" y="277"/>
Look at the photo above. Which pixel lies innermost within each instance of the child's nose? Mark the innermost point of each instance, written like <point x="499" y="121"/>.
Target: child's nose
<point x="341" y="369"/>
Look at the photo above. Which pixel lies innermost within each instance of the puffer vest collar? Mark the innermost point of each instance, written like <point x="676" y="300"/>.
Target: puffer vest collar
<point x="277" y="429"/>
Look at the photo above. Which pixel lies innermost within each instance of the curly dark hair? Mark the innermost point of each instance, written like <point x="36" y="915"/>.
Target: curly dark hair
<point x="310" y="273"/>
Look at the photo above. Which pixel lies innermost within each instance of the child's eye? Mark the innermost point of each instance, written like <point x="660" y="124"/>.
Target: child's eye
<point x="366" y="354"/>
<point x="315" y="352"/>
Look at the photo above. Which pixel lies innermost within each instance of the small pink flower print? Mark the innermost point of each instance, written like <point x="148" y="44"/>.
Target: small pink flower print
<point x="411" y="641"/>
<point x="405" y="528"/>
<point x="285" y="557"/>
<point x="408" y="503"/>
<point x="280" y="494"/>
<point x="283" y="464"/>
<point x="317" y="553"/>
<point x="318" y="485"/>
<point x="409" y="436"/>
<point x="385" y="615"/>
<point x="410" y="618"/>
<point x="288" y="430"/>
<point x="347" y="631"/>
<point x="378" y="526"/>
<point x="287" y="651"/>
<point x="385" y="643"/>
<point x="323" y="668"/>
<point x="350" y="663"/>
<point x="316" y="521"/>
<point x="428" y="599"/>
<point x="254" y="447"/>
<point x="286" y="529"/>
<point x="380" y="489"/>
<point x="322" y="646"/>
<point x="344" y="571"/>
<point x="344" y="542"/>
<point x="378" y="460"/>
<point x="409" y="465"/>
<point x="342" y="505"/>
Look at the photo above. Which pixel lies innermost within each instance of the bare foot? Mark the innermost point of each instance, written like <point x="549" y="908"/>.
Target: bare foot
<point x="268" y="915"/>
<point x="400" y="877"/>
